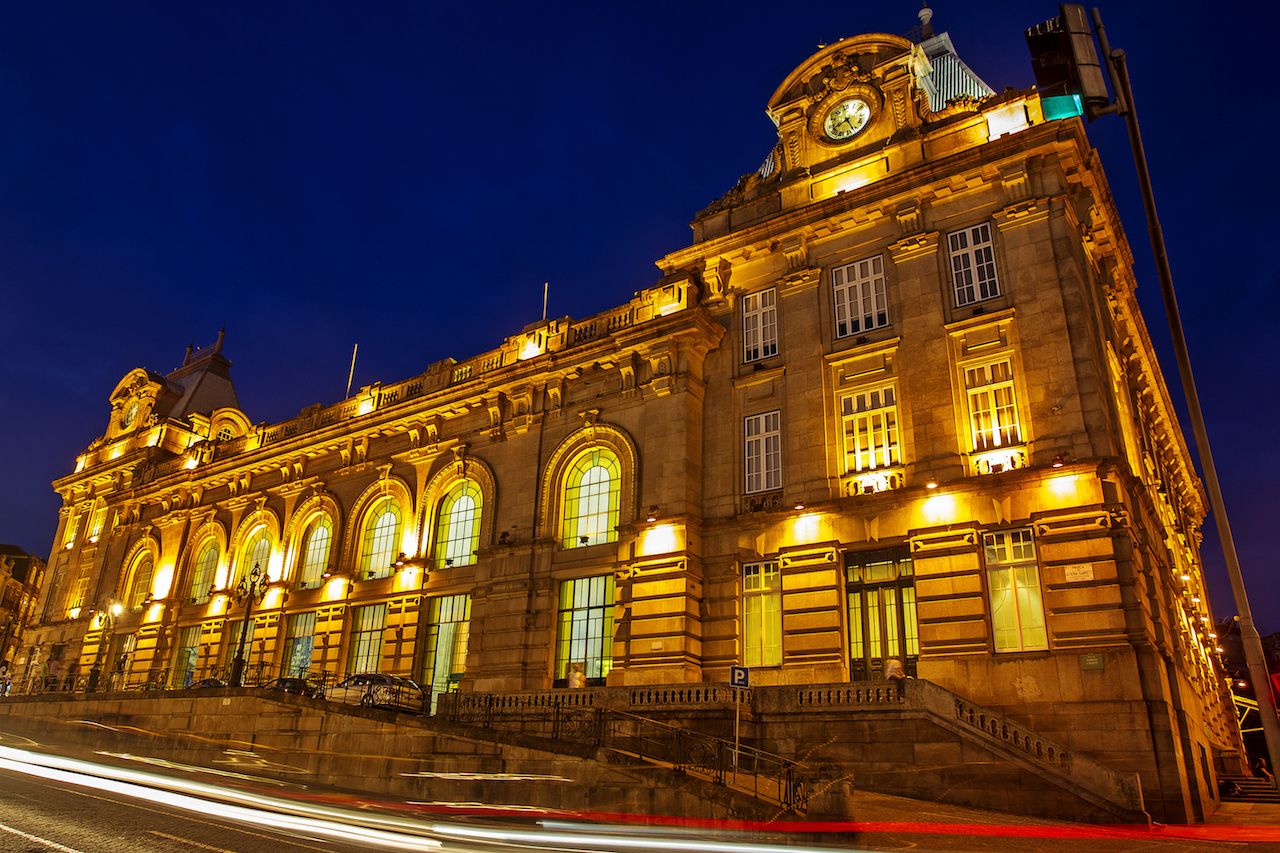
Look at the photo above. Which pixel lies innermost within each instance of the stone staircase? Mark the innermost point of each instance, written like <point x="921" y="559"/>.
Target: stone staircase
<point x="1247" y="789"/>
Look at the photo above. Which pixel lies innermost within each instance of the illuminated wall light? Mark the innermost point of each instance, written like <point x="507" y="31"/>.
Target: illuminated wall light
<point x="1064" y="485"/>
<point x="162" y="581"/>
<point x="190" y="463"/>
<point x="940" y="508"/>
<point x="273" y="599"/>
<point x="532" y="347"/>
<point x="851" y="183"/>
<point x="365" y="406"/>
<point x="73" y="613"/>
<point x="670" y="305"/>
<point x="931" y="484"/>
<point x="660" y="539"/>
<point x="80" y="463"/>
<point x="275" y="565"/>
<point x="1011" y="118"/>
<point x="117" y="451"/>
<point x="335" y="589"/>
<point x="1185" y="578"/>
<point x="805" y="528"/>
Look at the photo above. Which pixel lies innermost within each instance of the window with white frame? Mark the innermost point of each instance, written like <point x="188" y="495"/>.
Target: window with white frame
<point x="973" y="264"/>
<point x="763" y="452"/>
<point x="870" y="422"/>
<point x="761" y="614"/>
<point x="96" y="521"/>
<point x="75" y="601"/>
<point x="760" y="325"/>
<point x="1013" y="582"/>
<point x="858" y="293"/>
<point x="72" y="529"/>
<point x="993" y="405"/>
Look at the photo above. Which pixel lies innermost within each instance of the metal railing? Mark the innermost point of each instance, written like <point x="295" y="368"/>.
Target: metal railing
<point x="764" y="775"/>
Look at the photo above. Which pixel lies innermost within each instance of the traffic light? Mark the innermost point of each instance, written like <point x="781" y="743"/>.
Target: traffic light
<point x="1065" y="62"/>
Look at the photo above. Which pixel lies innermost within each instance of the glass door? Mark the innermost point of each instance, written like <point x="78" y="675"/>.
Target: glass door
<point x="882" y="612"/>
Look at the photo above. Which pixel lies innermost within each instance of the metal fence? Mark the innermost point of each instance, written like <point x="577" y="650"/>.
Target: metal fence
<point x="763" y="774"/>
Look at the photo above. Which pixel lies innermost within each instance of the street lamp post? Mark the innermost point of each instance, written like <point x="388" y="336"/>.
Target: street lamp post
<point x="250" y="591"/>
<point x="108" y="616"/>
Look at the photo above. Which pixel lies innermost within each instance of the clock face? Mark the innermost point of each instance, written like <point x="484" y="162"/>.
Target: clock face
<point x="846" y="119"/>
<point x="130" y="415"/>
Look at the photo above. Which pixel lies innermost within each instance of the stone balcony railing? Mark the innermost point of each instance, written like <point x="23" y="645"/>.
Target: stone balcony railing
<point x="554" y="335"/>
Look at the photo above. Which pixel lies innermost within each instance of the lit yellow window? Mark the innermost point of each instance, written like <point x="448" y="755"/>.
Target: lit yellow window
<point x="458" y="528"/>
<point x="993" y="405"/>
<point x="761" y="614"/>
<point x="381" y="538"/>
<point x="1013" y="581"/>
<point x="592" y="493"/>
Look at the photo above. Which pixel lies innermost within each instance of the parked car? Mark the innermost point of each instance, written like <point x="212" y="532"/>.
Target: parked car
<point x="296" y="686"/>
<point x="378" y="690"/>
<point x="207" y="684"/>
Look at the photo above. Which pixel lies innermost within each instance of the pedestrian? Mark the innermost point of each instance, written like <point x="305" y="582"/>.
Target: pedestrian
<point x="1262" y="771"/>
<point x="577" y="678"/>
<point x="894" y="672"/>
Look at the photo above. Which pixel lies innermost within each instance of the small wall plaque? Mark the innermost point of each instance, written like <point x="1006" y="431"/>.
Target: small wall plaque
<point x="1093" y="660"/>
<point x="1077" y="572"/>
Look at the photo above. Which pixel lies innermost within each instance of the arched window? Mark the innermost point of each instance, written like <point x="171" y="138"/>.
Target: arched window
<point x="381" y="538"/>
<point x="140" y="586"/>
<point x="592" y="488"/>
<point x="458" y="529"/>
<point x="317" y="541"/>
<point x="256" y="552"/>
<point x="202" y="577"/>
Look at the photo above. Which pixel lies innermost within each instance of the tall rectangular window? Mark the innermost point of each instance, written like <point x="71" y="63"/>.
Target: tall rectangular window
<point x="763" y="451"/>
<point x="448" y="632"/>
<point x="760" y="325"/>
<point x="993" y="407"/>
<point x="870" y="422"/>
<point x="96" y="522"/>
<point x="299" y="642"/>
<point x="973" y="264"/>
<point x="584" y="633"/>
<point x="72" y="530"/>
<point x="1013" y="579"/>
<point x="75" y="601"/>
<point x="859" y="297"/>
<point x="233" y="644"/>
<point x="761" y="614"/>
<point x="367" y="625"/>
<point x="185" y="658"/>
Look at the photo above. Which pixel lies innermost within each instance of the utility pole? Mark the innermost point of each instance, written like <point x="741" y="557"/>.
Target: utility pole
<point x="1066" y="65"/>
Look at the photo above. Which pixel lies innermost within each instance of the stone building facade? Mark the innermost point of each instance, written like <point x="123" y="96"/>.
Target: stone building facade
<point x="21" y="576"/>
<point x="895" y="404"/>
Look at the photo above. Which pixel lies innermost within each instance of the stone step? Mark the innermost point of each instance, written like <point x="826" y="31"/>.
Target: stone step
<point x="1249" y="789"/>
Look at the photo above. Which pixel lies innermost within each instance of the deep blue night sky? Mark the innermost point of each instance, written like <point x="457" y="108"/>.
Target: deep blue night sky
<point x="310" y="175"/>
